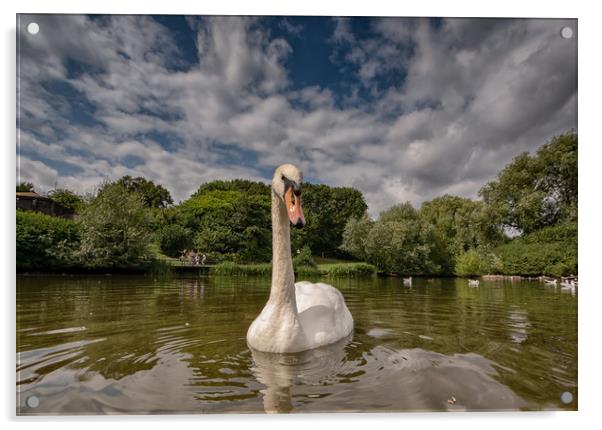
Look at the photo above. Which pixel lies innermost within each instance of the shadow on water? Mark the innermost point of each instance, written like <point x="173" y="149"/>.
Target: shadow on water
<point x="98" y="344"/>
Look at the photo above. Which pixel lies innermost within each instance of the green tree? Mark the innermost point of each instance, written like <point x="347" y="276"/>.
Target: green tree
<point x="398" y="242"/>
<point x="67" y="199"/>
<point x="327" y="210"/>
<point x="460" y="224"/>
<point x="24" y="187"/>
<point x="537" y="191"/>
<point x="355" y="235"/>
<point x="154" y="196"/>
<point x="230" y="220"/>
<point x="174" y="238"/>
<point x="115" y="229"/>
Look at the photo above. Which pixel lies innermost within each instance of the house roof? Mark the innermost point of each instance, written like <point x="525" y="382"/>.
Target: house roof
<point x="31" y="195"/>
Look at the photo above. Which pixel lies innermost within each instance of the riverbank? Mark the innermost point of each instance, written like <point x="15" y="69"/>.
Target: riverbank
<point x="328" y="270"/>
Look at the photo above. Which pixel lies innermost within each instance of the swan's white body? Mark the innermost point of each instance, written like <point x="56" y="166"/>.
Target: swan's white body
<point x="473" y="282"/>
<point x="301" y="316"/>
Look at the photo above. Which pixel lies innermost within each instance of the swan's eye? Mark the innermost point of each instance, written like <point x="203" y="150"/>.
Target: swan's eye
<point x="283" y="178"/>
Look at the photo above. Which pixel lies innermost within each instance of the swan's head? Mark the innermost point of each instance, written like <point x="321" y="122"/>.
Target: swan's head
<point x="287" y="185"/>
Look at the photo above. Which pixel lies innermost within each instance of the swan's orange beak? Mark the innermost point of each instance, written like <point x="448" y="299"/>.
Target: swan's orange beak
<point x="294" y="210"/>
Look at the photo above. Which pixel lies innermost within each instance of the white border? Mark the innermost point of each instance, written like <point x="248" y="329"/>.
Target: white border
<point x="590" y="131"/>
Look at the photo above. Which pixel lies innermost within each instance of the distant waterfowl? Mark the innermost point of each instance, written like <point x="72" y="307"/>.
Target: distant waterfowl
<point x="473" y="282"/>
<point x="301" y="316"/>
<point x="551" y="282"/>
<point x="407" y="281"/>
<point x="568" y="284"/>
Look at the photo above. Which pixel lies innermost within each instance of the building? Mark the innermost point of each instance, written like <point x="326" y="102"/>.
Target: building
<point x="30" y="201"/>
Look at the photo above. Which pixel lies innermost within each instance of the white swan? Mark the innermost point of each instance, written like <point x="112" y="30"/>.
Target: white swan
<point x="302" y="316"/>
<point x="407" y="281"/>
<point x="552" y="282"/>
<point x="473" y="282"/>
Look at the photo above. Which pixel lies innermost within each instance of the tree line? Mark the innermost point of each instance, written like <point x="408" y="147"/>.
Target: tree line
<point x="524" y="223"/>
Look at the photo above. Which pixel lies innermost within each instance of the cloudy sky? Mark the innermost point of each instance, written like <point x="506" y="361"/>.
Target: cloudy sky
<point x="402" y="109"/>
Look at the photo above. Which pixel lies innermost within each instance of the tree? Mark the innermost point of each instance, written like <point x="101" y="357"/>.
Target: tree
<point x="24" y="187"/>
<point x="398" y="242"/>
<point x="114" y="229"/>
<point x="67" y="199"/>
<point x="537" y="191"/>
<point x="355" y="235"/>
<point x="154" y="196"/>
<point x="234" y="217"/>
<point x="230" y="220"/>
<point x="174" y="238"/>
<point x="460" y="224"/>
<point x="327" y="210"/>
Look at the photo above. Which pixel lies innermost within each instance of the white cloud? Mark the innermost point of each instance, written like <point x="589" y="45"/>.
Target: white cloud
<point x="476" y="94"/>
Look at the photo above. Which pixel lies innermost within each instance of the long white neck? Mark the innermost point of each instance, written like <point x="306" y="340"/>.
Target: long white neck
<point x="283" y="277"/>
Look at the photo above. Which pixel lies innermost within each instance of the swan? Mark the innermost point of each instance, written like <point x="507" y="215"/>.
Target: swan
<point x="302" y="316"/>
<point x="407" y="281"/>
<point x="568" y="284"/>
<point x="552" y="282"/>
<point x="473" y="282"/>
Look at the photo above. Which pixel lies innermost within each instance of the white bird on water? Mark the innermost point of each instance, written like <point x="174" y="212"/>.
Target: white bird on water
<point x="301" y="316"/>
<point x="407" y="281"/>
<point x="473" y="282"/>
<point x="551" y="282"/>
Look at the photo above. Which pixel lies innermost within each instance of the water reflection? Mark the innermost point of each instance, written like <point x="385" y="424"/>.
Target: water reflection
<point x="139" y="345"/>
<point x="279" y="372"/>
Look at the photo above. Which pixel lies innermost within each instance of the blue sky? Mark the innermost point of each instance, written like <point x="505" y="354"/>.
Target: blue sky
<point x="403" y="109"/>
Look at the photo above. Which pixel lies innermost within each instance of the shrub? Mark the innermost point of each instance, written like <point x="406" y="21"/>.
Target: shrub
<point x="304" y="258"/>
<point x="549" y="251"/>
<point x="468" y="263"/>
<point x="44" y="241"/>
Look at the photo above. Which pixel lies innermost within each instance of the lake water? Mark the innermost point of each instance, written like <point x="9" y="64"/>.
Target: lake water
<point x="129" y="344"/>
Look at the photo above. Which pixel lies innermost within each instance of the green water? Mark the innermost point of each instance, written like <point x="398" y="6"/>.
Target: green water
<point x="108" y="344"/>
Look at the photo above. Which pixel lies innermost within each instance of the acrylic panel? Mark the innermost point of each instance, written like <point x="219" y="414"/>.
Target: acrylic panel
<point x="295" y="214"/>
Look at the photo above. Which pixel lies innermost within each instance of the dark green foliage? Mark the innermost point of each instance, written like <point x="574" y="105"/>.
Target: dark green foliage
<point x="173" y="239"/>
<point x="304" y="258"/>
<point x="24" y="187"/>
<point x="230" y="222"/>
<point x="115" y="229"/>
<point x="537" y="191"/>
<point x="44" y="241"/>
<point x="154" y="196"/>
<point x="234" y="218"/>
<point x="550" y="251"/>
<point x="67" y="199"/>
<point x="327" y="210"/>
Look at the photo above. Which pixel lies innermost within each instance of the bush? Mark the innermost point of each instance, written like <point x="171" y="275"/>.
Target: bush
<point x="549" y="251"/>
<point x="44" y="241"/>
<point x="173" y="239"/>
<point x="115" y="229"/>
<point x="304" y="258"/>
<point x="469" y="263"/>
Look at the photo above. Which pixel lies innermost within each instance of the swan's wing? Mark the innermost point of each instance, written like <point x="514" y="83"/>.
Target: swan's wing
<point x="309" y="294"/>
<point x="322" y="312"/>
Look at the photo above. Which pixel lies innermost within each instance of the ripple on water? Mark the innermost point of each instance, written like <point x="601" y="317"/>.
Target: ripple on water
<point x="120" y="345"/>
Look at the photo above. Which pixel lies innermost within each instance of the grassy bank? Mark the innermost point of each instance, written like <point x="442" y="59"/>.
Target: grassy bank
<point x="341" y="270"/>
